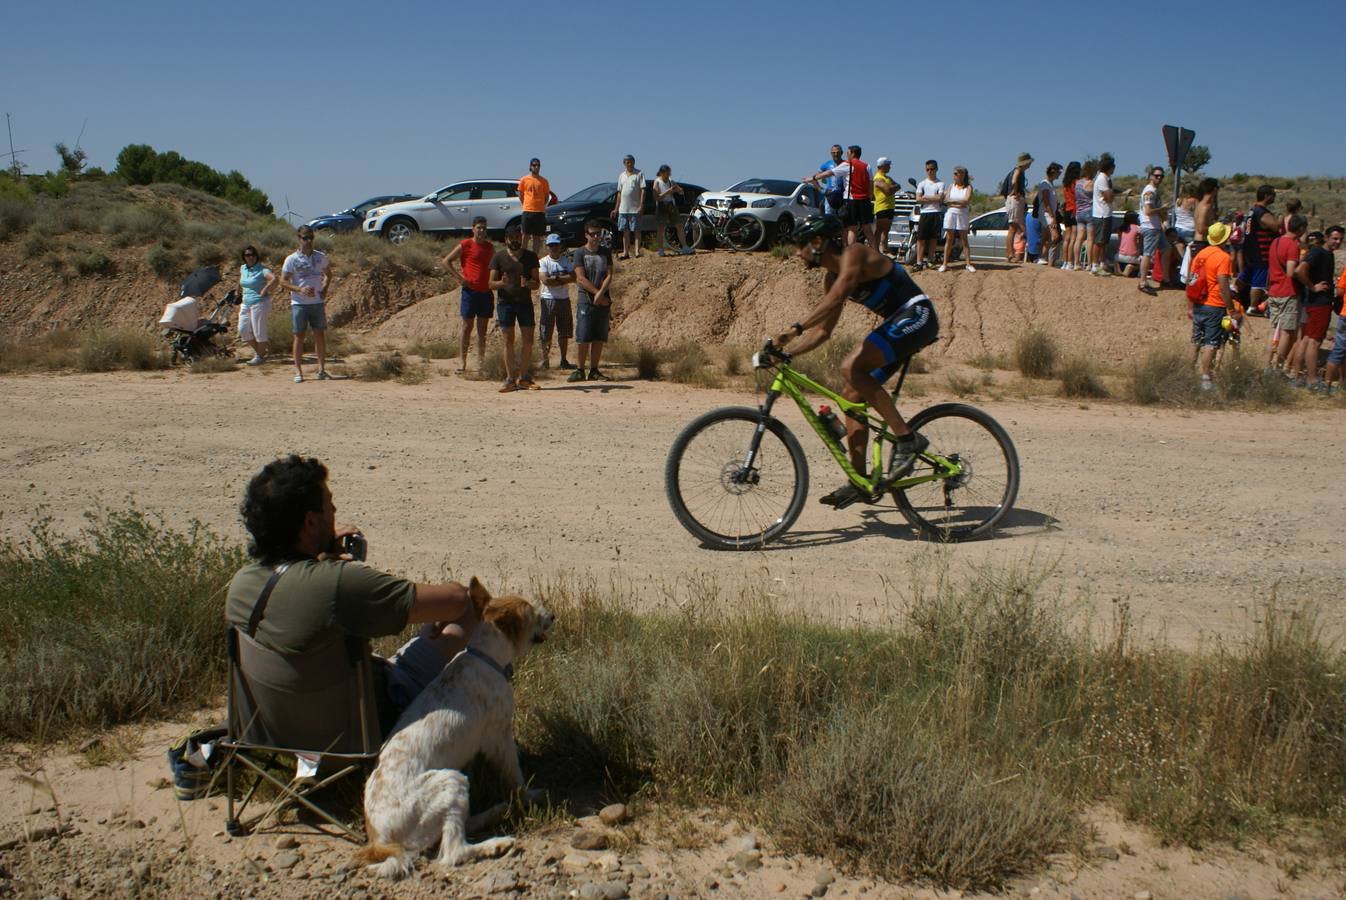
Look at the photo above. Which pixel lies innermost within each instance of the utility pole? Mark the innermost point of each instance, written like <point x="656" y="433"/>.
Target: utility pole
<point x="15" y="167"/>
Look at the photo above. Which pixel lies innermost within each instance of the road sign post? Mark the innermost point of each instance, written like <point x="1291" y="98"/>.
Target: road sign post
<point x="1177" y="141"/>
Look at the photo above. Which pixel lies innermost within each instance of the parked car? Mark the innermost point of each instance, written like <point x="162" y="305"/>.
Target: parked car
<point x="450" y="210"/>
<point x="351" y="219"/>
<point x="986" y="235"/>
<point x="780" y="203"/>
<point x="594" y="204"/>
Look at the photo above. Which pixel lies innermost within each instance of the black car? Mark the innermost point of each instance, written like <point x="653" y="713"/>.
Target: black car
<point x="595" y="204"/>
<point x="350" y="219"/>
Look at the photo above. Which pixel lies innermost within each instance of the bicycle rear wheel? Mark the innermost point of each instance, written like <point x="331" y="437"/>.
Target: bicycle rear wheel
<point x="745" y="232"/>
<point x="720" y="500"/>
<point x="968" y="505"/>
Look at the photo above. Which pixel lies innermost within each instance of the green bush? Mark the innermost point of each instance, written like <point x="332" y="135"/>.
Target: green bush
<point x="1035" y="353"/>
<point x="92" y="261"/>
<point x="15" y="217"/>
<point x="119" y="623"/>
<point x="141" y="164"/>
<point x="166" y="262"/>
<point x="13" y="190"/>
<point x="209" y="255"/>
<point x="135" y="224"/>
<point x="37" y="243"/>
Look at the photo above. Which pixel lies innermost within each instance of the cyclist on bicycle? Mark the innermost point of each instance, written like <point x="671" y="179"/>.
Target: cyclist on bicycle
<point x="865" y="276"/>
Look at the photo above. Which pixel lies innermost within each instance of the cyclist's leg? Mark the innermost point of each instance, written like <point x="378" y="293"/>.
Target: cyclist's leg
<point x="883" y="352"/>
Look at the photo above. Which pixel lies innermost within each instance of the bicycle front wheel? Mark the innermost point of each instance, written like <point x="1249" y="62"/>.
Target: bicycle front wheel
<point x="721" y="498"/>
<point x="745" y="232"/>
<point x="969" y="504"/>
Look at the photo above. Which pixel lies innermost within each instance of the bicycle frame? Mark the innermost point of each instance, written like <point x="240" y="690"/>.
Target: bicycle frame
<point x="797" y="386"/>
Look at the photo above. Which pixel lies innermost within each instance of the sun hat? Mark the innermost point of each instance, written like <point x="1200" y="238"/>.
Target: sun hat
<point x="883" y="161"/>
<point x="1025" y="158"/>
<point x="553" y="238"/>
<point x="1217" y="234"/>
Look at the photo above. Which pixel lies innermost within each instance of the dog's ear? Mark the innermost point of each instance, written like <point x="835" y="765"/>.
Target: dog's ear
<point x="513" y="616"/>
<point x="480" y="597"/>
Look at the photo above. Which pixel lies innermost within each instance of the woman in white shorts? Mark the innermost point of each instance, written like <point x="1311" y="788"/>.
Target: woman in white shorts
<point x="256" y="280"/>
<point x="957" y="199"/>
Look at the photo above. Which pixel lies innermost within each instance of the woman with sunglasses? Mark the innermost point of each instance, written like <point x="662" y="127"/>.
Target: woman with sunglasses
<point x="256" y="280"/>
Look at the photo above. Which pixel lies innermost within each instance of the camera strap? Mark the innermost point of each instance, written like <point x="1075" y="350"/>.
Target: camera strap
<point x="259" y="608"/>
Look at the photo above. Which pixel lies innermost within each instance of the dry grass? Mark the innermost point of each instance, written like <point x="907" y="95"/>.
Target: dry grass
<point x="1081" y="377"/>
<point x="689" y="364"/>
<point x="119" y="348"/>
<point x="433" y="349"/>
<point x="214" y="365"/>
<point x="392" y="366"/>
<point x="48" y="352"/>
<point x="1035" y="353"/>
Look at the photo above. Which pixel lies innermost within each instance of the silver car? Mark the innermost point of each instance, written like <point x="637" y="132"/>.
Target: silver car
<point x="450" y="210"/>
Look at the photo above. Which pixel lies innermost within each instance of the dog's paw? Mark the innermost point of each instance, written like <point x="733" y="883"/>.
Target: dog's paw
<point x="496" y="847"/>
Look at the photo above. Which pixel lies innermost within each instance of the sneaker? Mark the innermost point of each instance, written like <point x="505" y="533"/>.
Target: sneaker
<point x="904" y="457"/>
<point x="916" y="267"/>
<point x="256" y="361"/>
<point x="299" y="379"/>
<point x="942" y="269"/>
<point x="843" y="496"/>
<point x="1102" y="273"/>
<point x="577" y="375"/>
<point x="1297" y="383"/>
<point x="323" y="376"/>
<point x="1206" y="384"/>
<point x="508" y="387"/>
<point x="661" y="254"/>
<point x="595" y="375"/>
<point x="688" y="251"/>
<point x="969" y="268"/>
<point x="1042" y="262"/>
<point x="528" y="384"/>
<point x="565" y="364"/>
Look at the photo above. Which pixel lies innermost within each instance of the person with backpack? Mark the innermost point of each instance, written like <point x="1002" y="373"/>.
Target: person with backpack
<point x="1014" y="189"/>
<point x="1211" y="301"/>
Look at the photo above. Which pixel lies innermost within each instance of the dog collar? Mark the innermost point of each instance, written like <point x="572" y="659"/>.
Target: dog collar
<point x="506" y="672"/>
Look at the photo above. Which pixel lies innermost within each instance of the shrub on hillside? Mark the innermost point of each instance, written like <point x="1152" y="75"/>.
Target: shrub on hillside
<point x="166" y="262"/>
<point x="141" y="164"/>
<point x="124" y="348"/>
<point x="92" y="261"/>
<point x="209" y="255"/>
<point x="1035" y="353"/>
<point x="1166" y="374"/>
<point x="15" y="217"/>
<point x="1080" y="377"/>
<point x="134" y="224"/>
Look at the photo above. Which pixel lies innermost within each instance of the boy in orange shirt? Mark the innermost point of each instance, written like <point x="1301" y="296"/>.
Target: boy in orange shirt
<point x="1214" y="266"/>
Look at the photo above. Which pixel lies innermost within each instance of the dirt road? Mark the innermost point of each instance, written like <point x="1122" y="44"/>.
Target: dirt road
<point x="1193" y="518"/>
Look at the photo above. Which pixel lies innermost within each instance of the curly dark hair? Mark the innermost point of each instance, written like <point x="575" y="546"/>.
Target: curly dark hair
<point x="275" y="503"/>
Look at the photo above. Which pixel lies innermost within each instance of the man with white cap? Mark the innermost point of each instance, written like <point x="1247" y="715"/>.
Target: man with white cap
<point x="557" y="274"/>
<point x="885" y="193"/>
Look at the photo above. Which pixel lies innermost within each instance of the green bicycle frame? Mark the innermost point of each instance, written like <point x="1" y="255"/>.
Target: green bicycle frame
<point x="796" y="386"/>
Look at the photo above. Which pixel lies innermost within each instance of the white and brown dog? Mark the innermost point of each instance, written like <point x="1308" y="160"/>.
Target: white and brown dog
<point x="418" y="795"/>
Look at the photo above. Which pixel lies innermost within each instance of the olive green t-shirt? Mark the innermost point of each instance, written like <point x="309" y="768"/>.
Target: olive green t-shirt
<point x="315" y="601"/>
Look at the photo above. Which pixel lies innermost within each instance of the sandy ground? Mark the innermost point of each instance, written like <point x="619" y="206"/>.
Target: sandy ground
<point x="1192" y="519"/>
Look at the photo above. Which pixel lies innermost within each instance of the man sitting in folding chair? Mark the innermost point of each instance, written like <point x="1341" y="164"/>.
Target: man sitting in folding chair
<point x="302" y="682"/>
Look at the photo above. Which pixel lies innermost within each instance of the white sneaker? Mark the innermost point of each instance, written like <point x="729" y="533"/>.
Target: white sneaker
<point x="256" y="361"/>
<point x="1042" y="262"/>
<point x="969" y="268"/>
<point x="299" y="379"/>
<point x="943" y="269"/>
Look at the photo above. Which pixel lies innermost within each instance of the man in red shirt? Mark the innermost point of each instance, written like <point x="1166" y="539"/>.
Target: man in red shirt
<point x="1283" y="304"/>
<point x="477" y="301"/>
<point x="1214" y="266"/>
<point x="534" y="191"/>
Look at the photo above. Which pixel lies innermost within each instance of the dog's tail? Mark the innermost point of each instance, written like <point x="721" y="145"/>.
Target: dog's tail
<point x="385" y="860"/>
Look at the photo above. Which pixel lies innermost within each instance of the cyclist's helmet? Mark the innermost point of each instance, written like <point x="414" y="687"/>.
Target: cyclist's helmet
<point x="829" y="227"/>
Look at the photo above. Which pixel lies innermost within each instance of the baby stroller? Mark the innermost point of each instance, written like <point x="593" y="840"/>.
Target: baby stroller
<point x="191" y="336"/>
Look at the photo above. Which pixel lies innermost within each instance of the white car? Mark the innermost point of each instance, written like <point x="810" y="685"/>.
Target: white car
<point x="450" y="210"/>
<point x="780" y="204"/>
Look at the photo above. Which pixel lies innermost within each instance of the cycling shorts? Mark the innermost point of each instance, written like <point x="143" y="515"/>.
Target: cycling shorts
<point x="900" y="336"/>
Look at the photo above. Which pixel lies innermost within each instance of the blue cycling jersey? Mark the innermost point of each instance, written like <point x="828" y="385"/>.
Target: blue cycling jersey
<point x="887" y="294"/>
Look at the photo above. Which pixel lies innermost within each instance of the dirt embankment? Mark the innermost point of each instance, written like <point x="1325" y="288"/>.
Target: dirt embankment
<point x="712" y="298"/>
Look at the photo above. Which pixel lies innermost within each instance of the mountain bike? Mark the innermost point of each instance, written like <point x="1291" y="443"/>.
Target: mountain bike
<point x="738" y="231"/>
<point x="737" y="477"/>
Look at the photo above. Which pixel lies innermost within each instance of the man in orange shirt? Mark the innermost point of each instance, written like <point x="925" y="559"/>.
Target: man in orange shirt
<point x="1215" y="267"/>
<point x="535" y="191"/>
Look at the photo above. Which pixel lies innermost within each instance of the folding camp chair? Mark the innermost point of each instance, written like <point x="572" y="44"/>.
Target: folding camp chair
<point x="298" y="707"/>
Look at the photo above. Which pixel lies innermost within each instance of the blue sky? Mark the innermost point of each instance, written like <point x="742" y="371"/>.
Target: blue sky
<point x="342" y="100"/>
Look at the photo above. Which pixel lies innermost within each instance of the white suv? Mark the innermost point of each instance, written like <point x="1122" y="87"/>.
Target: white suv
<point x="450" y="210"/>
<point x="780" y="203"/>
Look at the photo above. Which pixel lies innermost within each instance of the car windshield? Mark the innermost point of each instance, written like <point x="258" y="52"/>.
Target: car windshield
<point x="594" y="193"/>
<point x="365" y="207"/>
<point x="778" y="186"/>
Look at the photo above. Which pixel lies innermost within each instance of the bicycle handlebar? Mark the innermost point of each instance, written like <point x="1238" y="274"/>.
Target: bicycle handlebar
<point x="769" y="351"/>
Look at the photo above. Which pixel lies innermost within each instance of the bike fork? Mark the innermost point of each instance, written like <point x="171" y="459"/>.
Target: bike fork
<point x="755" y="444"/>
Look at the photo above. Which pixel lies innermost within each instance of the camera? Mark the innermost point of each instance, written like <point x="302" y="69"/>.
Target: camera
<point x="356" y="546"/>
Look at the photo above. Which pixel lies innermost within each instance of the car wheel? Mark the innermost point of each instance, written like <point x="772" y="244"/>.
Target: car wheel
<point x="785" y="227"/>
<point x="398" y="230"/>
